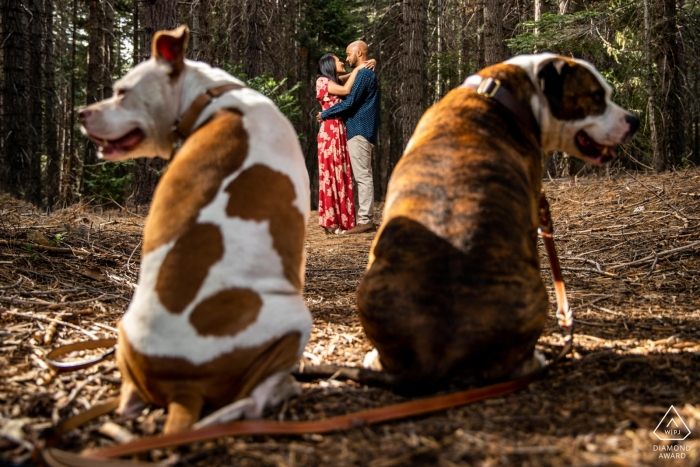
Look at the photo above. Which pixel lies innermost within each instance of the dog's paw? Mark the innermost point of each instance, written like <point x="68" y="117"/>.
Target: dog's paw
<point x="530" y="365"/>
<point x="371" y="361"/>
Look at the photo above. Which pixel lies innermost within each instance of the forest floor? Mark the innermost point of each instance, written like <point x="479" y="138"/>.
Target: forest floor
<point x="630" y="247"/>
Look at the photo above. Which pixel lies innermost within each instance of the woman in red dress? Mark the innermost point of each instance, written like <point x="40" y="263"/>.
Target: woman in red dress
<point x="336" y="208"/>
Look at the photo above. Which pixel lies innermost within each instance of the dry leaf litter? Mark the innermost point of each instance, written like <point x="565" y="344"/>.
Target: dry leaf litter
<point x="630" y="249"/>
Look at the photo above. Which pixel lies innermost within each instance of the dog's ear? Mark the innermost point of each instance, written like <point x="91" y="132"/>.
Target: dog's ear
<point x="551" y="75"/>
<point x="170" y="47"/>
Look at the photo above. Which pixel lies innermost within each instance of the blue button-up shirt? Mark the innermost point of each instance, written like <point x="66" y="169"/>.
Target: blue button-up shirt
<point x="360" y="109"/>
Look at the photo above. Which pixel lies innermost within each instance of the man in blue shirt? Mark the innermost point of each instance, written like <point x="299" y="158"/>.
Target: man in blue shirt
<point x="360" y="111"/>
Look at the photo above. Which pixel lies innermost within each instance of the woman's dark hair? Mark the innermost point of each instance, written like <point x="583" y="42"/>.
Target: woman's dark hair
<point x="326" y="67"/>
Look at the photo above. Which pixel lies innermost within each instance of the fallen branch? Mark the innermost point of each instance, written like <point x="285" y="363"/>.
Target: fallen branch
<point x="52" y="320"/>
<point x="42" y="248"/>
<point x="655" y="256"/>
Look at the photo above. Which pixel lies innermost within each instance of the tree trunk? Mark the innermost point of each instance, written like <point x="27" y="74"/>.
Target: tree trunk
<point x="17" y="164"/>
<point x="157" y="15"/>
<point x="72" y="167"/>
<point x="254" y="63"/>
<point x="670" y="129"/>
<point x="108" y="41"/>
<point x="413" y="32"/>
<point x="494" y="49"/>
<point x="36" y="101"/>
<point x="137" y="33"/>
<point x="235" y="32"/>
<point x="53" y="162"/>
<point x="95" y="73"/>
<point x="480" y="57"/>
<point x="659" y="162"/>
<point x="204" y="31"/>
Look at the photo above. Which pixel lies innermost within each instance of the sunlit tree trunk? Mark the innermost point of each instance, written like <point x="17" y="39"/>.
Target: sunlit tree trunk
<point x="413" y="33"/>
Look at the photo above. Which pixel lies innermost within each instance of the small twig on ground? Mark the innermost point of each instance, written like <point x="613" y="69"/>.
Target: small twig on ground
<point x="132" y="254"/>
<point x="16" y="284"/>
<point x="655" y="256"/>
<point x="653" y="265"/>
<point x="47" y="249"/>
<point x="51" y="320"/>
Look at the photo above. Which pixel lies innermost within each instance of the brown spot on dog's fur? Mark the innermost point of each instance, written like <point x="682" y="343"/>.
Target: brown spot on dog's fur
<point x="573" y="92"/>
<point x="219" y="382"/>
<point x="226" y="313"/>
<point x="262" y="194"/>
<point x="187" y="264"/>
<point x="213" y="152"/>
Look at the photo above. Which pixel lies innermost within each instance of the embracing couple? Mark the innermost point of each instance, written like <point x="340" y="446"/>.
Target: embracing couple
<point x="349" y="126"/>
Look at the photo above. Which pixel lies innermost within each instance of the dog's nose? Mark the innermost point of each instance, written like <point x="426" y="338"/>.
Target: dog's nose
<point x="84" y="115"/>
<point x="633" y="122"/>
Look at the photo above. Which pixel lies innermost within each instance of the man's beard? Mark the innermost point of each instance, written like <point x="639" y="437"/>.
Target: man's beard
<point x="352" y="63"/>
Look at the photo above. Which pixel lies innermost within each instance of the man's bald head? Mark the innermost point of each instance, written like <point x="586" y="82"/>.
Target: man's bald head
<point x="356" y="53"/>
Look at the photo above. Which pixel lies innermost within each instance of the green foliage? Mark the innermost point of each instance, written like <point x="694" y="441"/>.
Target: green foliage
<point x="109" y="181"/>
<point x="327" y="26"/>
<point x="284" y="97"/>
<point x="58" y="238"/>
<point x="564" y="34"/>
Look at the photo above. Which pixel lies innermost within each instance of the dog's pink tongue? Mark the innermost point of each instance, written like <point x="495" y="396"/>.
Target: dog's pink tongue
<point x="129" y="140"/>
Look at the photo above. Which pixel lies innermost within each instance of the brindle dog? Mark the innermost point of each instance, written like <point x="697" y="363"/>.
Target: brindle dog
<point x="453" y="283"/>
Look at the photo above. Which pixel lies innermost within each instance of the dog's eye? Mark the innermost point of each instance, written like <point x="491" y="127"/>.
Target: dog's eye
<point x="121" y="92"/>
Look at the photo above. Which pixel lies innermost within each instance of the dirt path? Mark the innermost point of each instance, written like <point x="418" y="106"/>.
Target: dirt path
<point x="630" y="247"/>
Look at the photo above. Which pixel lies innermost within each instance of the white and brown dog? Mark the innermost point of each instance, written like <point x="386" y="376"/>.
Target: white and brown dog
<point x="218" y="319"/>
<point x="453" y="283"/>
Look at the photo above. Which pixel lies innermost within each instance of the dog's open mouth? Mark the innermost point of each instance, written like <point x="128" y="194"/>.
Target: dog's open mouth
<point x="599" y="153"/>
<point x="115" y="147"/>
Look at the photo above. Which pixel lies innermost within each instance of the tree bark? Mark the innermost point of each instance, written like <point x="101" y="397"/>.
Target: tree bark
<point x="108" y="41"/>
<point x="17" y="161"/>
<point x="157" y="15"/>
<point x="254" y="50"/>
<point x="53" y="156"/>
<point x="670" y="129"/>
<point x="36" y="101"/>
<point x="658" y="161"/>
<point x="494" y="49"/>
<point x="413" y="33"/>
<point x="95" y="74"/>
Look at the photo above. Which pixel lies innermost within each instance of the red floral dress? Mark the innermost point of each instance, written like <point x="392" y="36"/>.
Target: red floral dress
<point x="336" y="208"/>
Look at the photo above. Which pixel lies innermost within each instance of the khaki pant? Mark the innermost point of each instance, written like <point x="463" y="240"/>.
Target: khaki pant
<point x="363" y="186"/>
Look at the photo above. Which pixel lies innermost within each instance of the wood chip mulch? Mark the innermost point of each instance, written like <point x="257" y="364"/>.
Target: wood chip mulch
<point x="630" y="249"/>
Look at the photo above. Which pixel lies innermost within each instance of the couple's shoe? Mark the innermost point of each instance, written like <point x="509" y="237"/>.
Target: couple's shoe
<point x="361" y="228"/>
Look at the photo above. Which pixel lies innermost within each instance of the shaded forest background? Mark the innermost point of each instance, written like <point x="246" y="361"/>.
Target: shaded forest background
<point x="58" y="55"/>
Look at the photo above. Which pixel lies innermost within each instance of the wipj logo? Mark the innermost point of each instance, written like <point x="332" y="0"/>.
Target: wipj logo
<point x="672" y="427"/>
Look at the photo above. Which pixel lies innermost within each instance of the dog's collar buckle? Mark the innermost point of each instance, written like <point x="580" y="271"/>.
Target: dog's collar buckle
<point x="489" y="87"/>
